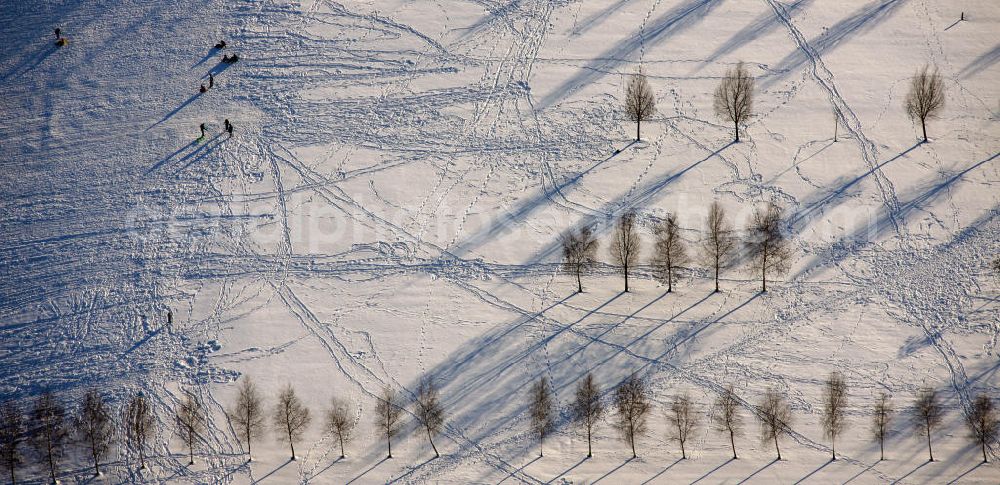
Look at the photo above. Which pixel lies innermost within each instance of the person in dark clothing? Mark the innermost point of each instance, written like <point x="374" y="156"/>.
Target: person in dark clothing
<point x="211" y="81"/>
<point x="229" y="128"/>
<point x="221" y="45"/>
<point x="202" y="89"/>
<point x="170" y="317"/>
<point x="58" y="33"/>
<point x="202" y="130"/>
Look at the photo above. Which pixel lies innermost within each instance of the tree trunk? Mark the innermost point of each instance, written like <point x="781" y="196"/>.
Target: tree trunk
<point x="291" y="443"/>
<point x="431" y="439"/>
<point x="191" y="447"/>
<point x="341" y="446"/>
<point x="776" y="447"/>
<point x="930" y="450"/>
<point x="670" y="279"/>
<point x="638" y="123"/>
<point x="249" y="454"/>
<point x="97" y="465"/>
<point x="631" y="438"/>
<point x="626" y="279"/>
<point x="923" y="126"/>
<point x="881" y="449"/>
<point x="388" y="440"/>
<point x="833" y="447"/>
<point x="579" y="284"/>
<point x="763" y="273"/>
<point x="732" y="441"/>
<point x="717" y="274"/>
<point x="541" y="445"/>
<point x="683" y="453"/>
<point x="590" y="450"/>
<point x="52" y="463"/>
<point x="984" y="452"/>
<point x="737" y="125"/>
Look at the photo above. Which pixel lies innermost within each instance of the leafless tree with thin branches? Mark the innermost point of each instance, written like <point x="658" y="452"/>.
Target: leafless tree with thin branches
<point x="775" y="418"/>
<point x="632" y="401"/>
<point x="926" y="97"/>
<point x="766" y="244"/>
<point x="94" y="427"/>
<point x="719" y="243"/>
<point x="541" y="410"/>
<point x="728" y="418"/>
<point x="670" y="252"/>
<point x="50" y="433"/>
<point x="340" y="423"/>
<point x="248" y="416"/>
<point x="139" y="422"/>
<point x="291" y="417"/>
<point x="982" y="421"/>
<point x="881" y="419"/>
<point x="389" y="412"/>
<point x="11" y="438"/>
<point x="588" y="408"/>
<point x="640" y="103"/>
<point x="429" y="411"/>
<point x="734" y="97"/>
<point x="625" y="247"/>
<point x="579" y="252"/>
<point x="683" y="419"/>
<point x="834" y="408"/>
<point x="191" y="422"/>
<point x="927" y="415"/>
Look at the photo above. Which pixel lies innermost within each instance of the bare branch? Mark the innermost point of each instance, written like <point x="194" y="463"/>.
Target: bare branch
<point x="926" y="97"/>
<point x="625" y="247"/>
<point x="670" y="252"/>
<point x="734" y="97"/>
<point x="640" y="104"/>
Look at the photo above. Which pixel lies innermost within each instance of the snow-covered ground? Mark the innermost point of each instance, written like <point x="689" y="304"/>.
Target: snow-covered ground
<point x="390" y="204"/>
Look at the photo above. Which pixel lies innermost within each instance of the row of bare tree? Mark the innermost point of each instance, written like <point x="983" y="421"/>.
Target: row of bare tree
<point x="764" y="244"/>
<point x="632" y="403"/>
<point x="733" y="99"/>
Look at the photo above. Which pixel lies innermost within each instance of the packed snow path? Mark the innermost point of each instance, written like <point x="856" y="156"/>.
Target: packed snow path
<point x="390" y="204"/>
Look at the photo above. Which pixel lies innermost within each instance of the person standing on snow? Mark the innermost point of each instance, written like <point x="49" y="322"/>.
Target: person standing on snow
<point x="58" y="32"/>
<point x="202" y="131"/>
<point x="229" y="128"/>
<point x="211" y="80"/>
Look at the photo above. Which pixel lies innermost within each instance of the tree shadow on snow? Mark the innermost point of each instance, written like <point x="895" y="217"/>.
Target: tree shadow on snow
<point x="661" y="472"/>
<point x="519" y="470"/>
<point x="613" y="470"/>
<point x="747" y="479"/>
<point x="710" y="472"/>
<point x="383" y="460"/>
<point x="803" y="479"/>
<point x="272" y="472"/>
<point x="568" y="470"/>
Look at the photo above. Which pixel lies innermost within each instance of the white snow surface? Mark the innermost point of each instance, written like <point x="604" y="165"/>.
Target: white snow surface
<point x="390" y="205"/>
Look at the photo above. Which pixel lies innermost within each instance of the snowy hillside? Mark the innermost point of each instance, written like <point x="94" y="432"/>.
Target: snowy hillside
<point x="390" y="206"/>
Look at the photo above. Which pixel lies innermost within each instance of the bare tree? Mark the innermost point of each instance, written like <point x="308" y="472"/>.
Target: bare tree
<point x="11" y="437"/>
<point x="93" y="424"/>
<point x="670" y="251"/>
<point x="640" y="104"/>
<point x="541" y="410"/>
<point x="684" y="420"/>
<point x="734" y="97"/>
<point x="248" y="415"/>
<point x="982" y="421"/>
<point x="49" y="423"/>
<point x="190" y="422"/>
<point x="625" y="247"/>
<point x="729" y="418"/>
<point x="429" y="410"/>
<point x="291" y="417"/>
<point x="775" y="418"/>
<point x="139" y="422"/>
<point x="766" y="244"/>
<point x="587" y="408"/>
<point x="926" y="97"/>
<point x="389" y="412"/>
<point x="340" y="423"/>
<point x="927" y="414"/>
<point x="881" y="419"/>
<point x="633" y="405"/>
<point x="834" y="404"/>
<point x="579" y="252"/>
<point x="719" y="243"/>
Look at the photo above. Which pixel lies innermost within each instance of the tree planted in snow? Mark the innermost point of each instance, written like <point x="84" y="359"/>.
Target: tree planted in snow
<point x="640" y="103"/>
<point x="719" y="243"/>
<point x="49" y="431"/>
<point x="834" y="407"/>
<point x="632" y="401"/>
<point x="734" y="97"/>
<point x="625" y="246"/>
<point x="587" y="408"/>
<point x="775" y="418"/>
<point x="670" y="252"/>
<point x="340" y="423"/>
<point x="291" y="417"/>
<point x="728" y="418"/>
<point x="541" y="411"/>
<point x="190" y="416"/>
<point x="766" y="245"/>
<point x="881" y="419"/>
<point x="248" y="416"/>
<point x="139" y="423"/>
<point x="926" y="97"/>
<point x="429" y="411"/>
<point x="388" y="412"/>
<point x="579" y="249"/>
<point x="683" y="420"/>
<point x="94" y="427"/>
<point x="927" y="415"/>
<point x="982" y="422"/>
<point x="11" y="438"/>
